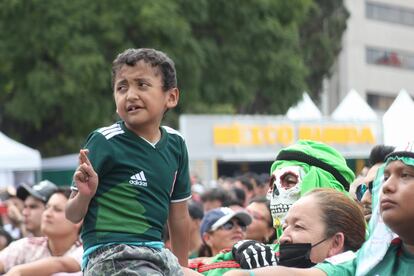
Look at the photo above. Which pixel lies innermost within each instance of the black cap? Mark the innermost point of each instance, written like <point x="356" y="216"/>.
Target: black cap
<point x="41" y="191"/>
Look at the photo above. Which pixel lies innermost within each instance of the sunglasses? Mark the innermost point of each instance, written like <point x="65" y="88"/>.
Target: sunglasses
<point x="231" y="224"/>
<point x="360" y="191"/>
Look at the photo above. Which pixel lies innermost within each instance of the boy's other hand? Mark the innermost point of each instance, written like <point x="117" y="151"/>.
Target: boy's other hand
<point x="85" y="177"/>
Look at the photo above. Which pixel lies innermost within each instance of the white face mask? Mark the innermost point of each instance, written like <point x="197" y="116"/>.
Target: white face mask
<point x="284" y="192"/>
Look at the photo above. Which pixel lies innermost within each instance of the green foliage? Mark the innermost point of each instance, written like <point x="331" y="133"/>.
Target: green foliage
<point x="321" y="34"/>
<point x="238" y="56"/>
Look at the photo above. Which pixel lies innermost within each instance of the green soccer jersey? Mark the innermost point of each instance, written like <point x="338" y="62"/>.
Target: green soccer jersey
<point x="396" y="261"/>
<point x="137" y="183"/>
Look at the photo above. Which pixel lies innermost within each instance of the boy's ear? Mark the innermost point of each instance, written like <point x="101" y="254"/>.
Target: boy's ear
<point x="173" y="97"/>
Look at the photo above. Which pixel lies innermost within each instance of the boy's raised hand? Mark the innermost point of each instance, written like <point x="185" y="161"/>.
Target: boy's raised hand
<point x="85" y="177"/>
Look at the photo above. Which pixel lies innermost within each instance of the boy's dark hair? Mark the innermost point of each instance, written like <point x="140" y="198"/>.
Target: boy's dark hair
<point x="378" y="154"/>
<point x="155" y="58"/>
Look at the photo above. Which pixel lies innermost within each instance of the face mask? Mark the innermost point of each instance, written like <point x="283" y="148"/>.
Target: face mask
<point x="282" y="198"/>
<point x="296" y="254"/>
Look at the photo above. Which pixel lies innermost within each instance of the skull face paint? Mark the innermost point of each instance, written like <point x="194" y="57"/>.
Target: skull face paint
<point x="284" y="190"/>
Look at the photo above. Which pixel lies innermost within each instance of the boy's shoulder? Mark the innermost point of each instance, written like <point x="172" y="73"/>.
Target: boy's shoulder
<point x="172" y="131"/>
<point x="110" y="131"/>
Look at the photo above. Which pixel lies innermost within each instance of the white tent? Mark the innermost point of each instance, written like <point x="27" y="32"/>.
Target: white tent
<point x="353" y="107"/>
<point x="18" y="162"/>
<point x="398" y="119"/>
<point x="64" y="162"/>
<point x="304" y="110"/>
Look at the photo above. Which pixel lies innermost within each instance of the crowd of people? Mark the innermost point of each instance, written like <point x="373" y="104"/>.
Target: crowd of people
<point x="40" y="240"/>
<point x="132" y="209"/>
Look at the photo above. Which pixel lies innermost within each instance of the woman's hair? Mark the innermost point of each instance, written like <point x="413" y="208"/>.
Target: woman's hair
<point x="341" y="214"/>
<point x="205" y="250"/>
<point x="65" y="191"/>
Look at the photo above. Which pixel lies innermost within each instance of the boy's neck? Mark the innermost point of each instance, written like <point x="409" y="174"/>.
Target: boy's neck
<point x="152" y="135"/>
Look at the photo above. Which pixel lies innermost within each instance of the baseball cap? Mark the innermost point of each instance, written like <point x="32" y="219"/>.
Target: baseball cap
<point x="215" y="218"/>
<point x="42" y="191"/>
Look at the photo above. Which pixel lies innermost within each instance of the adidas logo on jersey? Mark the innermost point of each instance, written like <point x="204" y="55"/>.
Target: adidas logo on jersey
<point x="138" y="179"/>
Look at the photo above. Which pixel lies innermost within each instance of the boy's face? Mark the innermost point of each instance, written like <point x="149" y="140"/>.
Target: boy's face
<point x="397" y="197"/>
<point x="139" y="96"/>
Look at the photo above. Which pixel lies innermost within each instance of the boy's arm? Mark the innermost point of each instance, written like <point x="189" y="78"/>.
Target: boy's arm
<point x="86" y="181"/>
<point x="178" y="221"/>
<point x="46" y="266"/>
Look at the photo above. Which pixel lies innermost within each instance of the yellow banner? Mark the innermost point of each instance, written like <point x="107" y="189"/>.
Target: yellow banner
<point x="284" y="134"/>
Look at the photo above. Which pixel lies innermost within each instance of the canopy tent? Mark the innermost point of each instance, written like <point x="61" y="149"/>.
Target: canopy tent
<point x="18" y="162"/>
<point x="60" y="169"/>
<point x="397" y="120"/>
<point x="69" y="161"/>
<point x="304" y="110"/>
<point x="353" y="107"/>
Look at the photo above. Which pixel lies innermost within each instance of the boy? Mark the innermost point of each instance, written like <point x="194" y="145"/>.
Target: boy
<point x="135" y="177"/>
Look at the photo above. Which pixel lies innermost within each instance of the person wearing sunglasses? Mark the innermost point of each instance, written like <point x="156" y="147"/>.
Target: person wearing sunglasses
<point x="221" y="228"/>
<point x="364" y="191"/>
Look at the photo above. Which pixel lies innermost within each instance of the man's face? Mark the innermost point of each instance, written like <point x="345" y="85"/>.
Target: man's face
<point x="284" y="191"/>
<point x="32" y="213"/>
<point x="366" y="199"/>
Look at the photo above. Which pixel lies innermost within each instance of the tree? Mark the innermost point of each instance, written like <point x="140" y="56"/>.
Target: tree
<point x="320" y="36"/>
<point x="231" y="57"/>
<point x="56" y="58"/>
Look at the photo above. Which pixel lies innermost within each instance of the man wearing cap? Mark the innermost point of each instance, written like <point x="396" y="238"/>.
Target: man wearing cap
<point x="35" y="199"/>
<point x="299" y="168"/>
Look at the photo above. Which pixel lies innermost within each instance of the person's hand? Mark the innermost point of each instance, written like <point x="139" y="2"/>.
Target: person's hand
<point x="14" y="213"/>
<point x="253" y="254"/>
<point x="85" y="177"/>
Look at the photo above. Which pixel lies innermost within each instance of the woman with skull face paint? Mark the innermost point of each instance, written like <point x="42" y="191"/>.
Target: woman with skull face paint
<point x="298" y="169"/>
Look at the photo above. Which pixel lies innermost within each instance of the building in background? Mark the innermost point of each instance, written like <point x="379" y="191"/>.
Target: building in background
<point x="377" y="58"/>
<point x="227" y="145"/>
